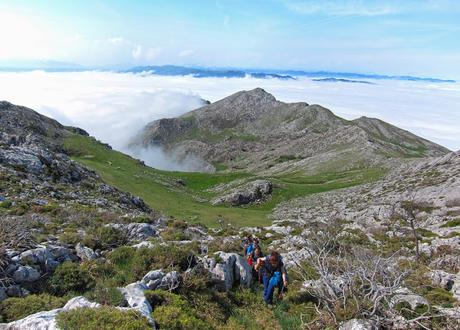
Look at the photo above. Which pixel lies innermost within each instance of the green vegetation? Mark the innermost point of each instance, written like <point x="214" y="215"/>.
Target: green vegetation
<point x="69" y="277"/>
<point x="13" y="309"/>
<point x="130" y="264"/>
<point x="160" y="189"/>
<point x="104" y="318"/>
<point x="452" y="223"/>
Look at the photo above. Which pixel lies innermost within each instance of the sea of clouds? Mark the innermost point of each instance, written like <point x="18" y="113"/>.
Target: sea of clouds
<point x="114" y="107"/>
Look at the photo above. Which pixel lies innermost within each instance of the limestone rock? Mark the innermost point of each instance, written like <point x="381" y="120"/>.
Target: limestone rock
<point x="356" y="324"/>
<point x="85" y="253"/>
<point x="134" y="295"/>
<point x="248" y="193"/>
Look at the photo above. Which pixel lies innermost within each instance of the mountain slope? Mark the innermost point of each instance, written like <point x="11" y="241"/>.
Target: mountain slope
<point x="252" y="130"/>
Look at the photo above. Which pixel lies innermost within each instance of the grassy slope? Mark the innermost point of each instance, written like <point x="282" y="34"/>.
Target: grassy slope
<point x="161" y="191"/>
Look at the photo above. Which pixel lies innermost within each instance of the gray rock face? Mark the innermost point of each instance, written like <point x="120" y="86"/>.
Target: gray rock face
<point x="21" y="157"/>
<point x="25" y="274"/>
<point x="249" y="193"/>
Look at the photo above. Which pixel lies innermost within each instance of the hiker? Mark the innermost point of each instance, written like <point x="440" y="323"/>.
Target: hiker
<point x="248" y="246"/>
<point x="253" y="253"/>
<point x="257" y="273"/>
<point x="274" y="275"/>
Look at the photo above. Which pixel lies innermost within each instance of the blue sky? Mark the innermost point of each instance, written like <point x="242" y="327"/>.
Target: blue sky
<point x="391" y="37"/>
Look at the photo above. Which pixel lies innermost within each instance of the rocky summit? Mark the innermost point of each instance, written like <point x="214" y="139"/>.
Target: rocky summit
<point x="251" y="130"/>
<point x="365" y="217"/>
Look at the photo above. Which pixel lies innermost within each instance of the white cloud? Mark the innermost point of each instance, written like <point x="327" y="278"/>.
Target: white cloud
<point x="113" y="107"/>
<point x="186" y="53"/>
<point x="137" y="52"/>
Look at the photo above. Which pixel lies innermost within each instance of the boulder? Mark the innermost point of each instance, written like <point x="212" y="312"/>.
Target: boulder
<point x="47" y="257"/>
<point x="248" y="193"/>
<point x="233" y="269"/>
<point x="170" y="281"/>
<point x="136" y="231"/>
<point x="16" y="291"/>
<point x="153" y="279"/>
<point x="26" y="274"/>
<point x="47" y="320"/>
<point x="134" y="295"/>
<point x="85" y="253"/>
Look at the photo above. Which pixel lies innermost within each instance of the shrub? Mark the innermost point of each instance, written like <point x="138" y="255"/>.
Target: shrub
<point x="102" y="318"/>
<point x="106" y="294"/>
<point x="70" y="237"/>
<point x="173" y="234"/>
<point x="70" y="277"/>
<point x="6" y="204"/>
<point x="13" y="309"/>
<point x="108" y="236"/>
<point x="132" y="264"/>
<point x="172" y="311"/>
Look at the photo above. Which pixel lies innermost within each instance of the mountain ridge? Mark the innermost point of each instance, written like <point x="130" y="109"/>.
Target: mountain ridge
<point x="254" y="124"/>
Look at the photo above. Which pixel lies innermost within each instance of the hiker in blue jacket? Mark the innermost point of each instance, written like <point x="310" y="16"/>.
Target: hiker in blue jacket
<point x="274" y="275"/>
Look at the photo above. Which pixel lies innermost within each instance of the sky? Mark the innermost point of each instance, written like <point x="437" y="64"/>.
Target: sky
<point x="413" y="37"/>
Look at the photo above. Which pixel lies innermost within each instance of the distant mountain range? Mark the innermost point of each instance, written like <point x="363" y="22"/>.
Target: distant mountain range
<point x="339" y="80"/>
<point x="198" y="72"/>
<point x="203" y="72"/>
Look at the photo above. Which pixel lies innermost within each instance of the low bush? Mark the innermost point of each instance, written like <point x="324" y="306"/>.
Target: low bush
<point x="103" y="318"/>
<point x="174" y="234"/>
<point x="70" y="237"/>
<point x="132" y="264"/>
<point x="70" y="277"/>
<point x="105" y="293"/>
<point x="108" y="236"/>
<point x="172" y="311"/>
<point x="13" y="309"/>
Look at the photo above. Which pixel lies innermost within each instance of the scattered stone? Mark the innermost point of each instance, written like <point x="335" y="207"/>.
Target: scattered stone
<point x="405" y="295"/>
<point x="85" y="253"/>
<point x="26" y="274"/>
<point x="356" y="324"/>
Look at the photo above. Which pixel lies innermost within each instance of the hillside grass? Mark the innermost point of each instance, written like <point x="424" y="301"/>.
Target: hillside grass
<point x="185" y="195"/>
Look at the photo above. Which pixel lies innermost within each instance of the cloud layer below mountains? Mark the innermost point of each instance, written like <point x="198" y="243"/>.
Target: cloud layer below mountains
<point x="114" y="107"/>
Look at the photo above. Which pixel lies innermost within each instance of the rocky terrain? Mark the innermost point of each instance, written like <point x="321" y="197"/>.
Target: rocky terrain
<point x="78" y="252"/>
<point x="251" y="130"/>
